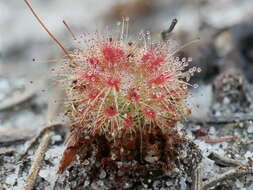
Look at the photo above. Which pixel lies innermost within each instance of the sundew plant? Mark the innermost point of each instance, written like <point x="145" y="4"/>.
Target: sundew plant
<point x="118" y="88"/>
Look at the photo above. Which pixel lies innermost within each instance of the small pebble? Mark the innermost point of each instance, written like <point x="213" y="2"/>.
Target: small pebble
<point x="11" y="179"/>
<point x="250" y="129"/>
<point x="102" y="174"/>
<point x="248" y="155"/>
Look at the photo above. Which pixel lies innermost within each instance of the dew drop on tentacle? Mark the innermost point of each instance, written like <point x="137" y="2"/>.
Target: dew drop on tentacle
<point x="195" y="85"/>
<point x="189" y="59"/>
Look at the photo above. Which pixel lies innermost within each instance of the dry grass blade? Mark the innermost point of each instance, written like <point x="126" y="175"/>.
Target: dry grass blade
<point x="21" y="97"/>
<point x="197" y="179"/>
<point x="234" y="173"/>
<point x="39" y="155"/>
<point x="18" y="99"/>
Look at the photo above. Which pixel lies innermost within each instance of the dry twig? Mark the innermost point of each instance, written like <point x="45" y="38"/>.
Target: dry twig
<point x="249" y="142"/>
<point x="32" y="142"/>
<point x="39" y="155"/>
<point x="219" y="139"/>
<point x="221" y="160"/>
<point x="234" y="173"/>
<point x="245" y="118"/>
<point x="197" y="179"/>
<point x="165" y="33"/>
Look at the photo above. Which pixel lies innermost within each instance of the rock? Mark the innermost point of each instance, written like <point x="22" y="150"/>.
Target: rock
<point x="248" y="155"/>
<point x="151" y="159"/>
<point x="11" y="179"/>
<point x="250" y="129"/>
<point x="44" y="173"/>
